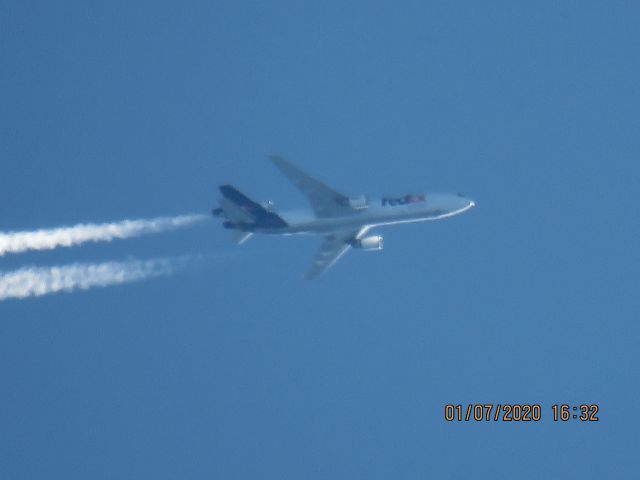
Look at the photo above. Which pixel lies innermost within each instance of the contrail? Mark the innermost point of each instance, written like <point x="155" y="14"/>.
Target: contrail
<point x="38" y="281"/>
<point x="16" y="242"/>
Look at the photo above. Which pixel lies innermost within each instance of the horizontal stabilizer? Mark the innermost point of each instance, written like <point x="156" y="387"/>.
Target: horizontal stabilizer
<point x="239" y="237"/>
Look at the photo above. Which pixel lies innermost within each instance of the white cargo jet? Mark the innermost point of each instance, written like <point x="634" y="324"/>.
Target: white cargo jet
<point x="343" y="221"/>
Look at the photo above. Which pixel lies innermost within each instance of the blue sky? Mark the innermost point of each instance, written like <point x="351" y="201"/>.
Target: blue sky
<point x="242" y="370"/>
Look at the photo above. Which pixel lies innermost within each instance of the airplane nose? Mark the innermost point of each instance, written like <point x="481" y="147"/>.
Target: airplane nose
<point x="472" y="203"/>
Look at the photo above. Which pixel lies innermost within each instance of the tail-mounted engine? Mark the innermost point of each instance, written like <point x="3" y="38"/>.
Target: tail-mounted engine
<point x="371" y="243"/>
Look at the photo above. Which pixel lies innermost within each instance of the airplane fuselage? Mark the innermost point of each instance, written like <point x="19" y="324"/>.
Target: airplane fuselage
<point x="383" y="211"/>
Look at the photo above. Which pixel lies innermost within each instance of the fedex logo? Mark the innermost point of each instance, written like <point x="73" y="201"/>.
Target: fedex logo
<point x="407" y="199"/>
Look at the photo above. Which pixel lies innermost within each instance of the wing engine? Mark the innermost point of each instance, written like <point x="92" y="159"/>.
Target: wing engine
<point x="370" y="243"/>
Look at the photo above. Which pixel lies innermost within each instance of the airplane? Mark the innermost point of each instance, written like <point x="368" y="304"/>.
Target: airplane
<point x="343" y="221"/>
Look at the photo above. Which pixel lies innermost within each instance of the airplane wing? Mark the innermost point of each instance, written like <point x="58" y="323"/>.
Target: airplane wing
<point x="325" y="201"/>
<point x="333" y="247"/>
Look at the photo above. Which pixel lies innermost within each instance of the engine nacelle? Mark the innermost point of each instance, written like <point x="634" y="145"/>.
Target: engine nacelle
<point x="269" y="206"/>
<point x="359" y="203"/>
<point x="372" y="242"/>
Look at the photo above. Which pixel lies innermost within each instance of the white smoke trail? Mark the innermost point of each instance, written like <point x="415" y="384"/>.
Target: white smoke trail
<point x="16" y="242"/>
<point x="37" y="281"/>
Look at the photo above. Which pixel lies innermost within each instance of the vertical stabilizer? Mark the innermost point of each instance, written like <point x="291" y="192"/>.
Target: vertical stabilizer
<point x="243" y="213"/>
